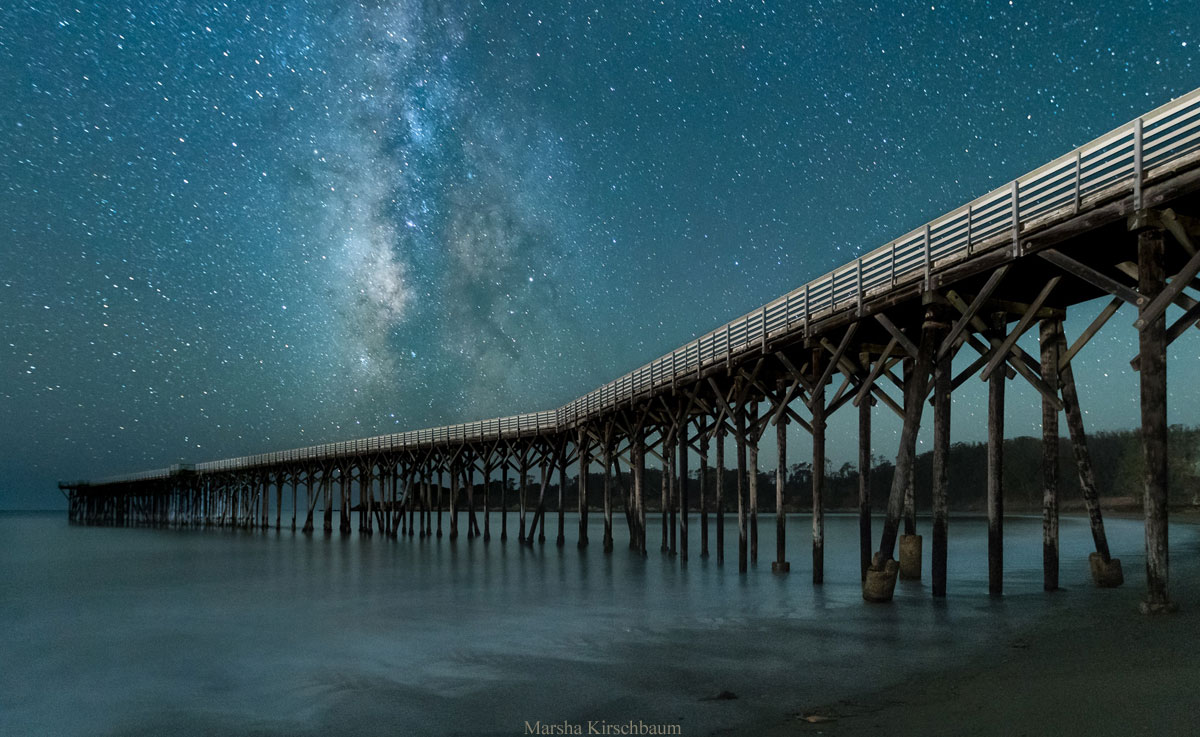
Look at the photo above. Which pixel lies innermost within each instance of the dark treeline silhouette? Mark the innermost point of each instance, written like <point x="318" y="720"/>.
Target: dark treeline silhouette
<point x="1116" y="458"/>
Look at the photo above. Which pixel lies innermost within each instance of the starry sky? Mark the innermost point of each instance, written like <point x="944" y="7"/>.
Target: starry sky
<point x="238" y="227"/>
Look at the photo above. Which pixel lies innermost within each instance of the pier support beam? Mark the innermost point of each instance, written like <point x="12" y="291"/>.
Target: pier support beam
<point x="752" y="496"/>
<point x="682" y="490"/>
<point x="638" y="452"/>
<point x="817" y="407"/>
<point x="487" y="493"/>
<point x="1152" y="350"/>
<point x="561" y="540"/>
<point x="720" y="484"/>
<point x="607" y="489"/>
<point x="1049" y="330"/>
<point x="864" y="483"/>
<point x="740" y="420"/>
<point x="910" y="541"/>
<point x="995" y="473"/>
<point x="668" y="532"/>
<point x="504" y="500"/>
<point x="942" y="370"/>
<point x="522" y="488"/>
<point x="702" y="430"/>
<point x="585" y="463"/>
<point x="780" y="565"/>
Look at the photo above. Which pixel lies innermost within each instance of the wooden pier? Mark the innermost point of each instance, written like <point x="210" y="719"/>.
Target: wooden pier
<point x="1117" y="218"/>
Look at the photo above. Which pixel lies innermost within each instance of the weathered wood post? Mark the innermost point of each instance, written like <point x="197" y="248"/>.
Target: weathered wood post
<point x="1152" y="351"/>
<point x="437" y="491"/>
<point x="910" y="541"/>
<point x="344" y="506"/>
<point x="547" y="473"/>
<point x="309" y="495"/>
<point x="562" y="486"/>
<point x="453" y="501"/>
<point x="817" y="408"/>
<point x="720" y="484"/>
<point x="995" y="472"/>
<point x="742" y="483"/>
<point x="666" y="493"/>
<point x="469" y="485"/>
<point x="1106" y="570"/>
<point x="1049" y="330"/>
<point x="328" y="479"/>
<point x="522" y="487"/>
<point x="585" y="462"/>
<point x="504" y="500"/>
<point x="780" y="565"/>
<point x="702" y="432"/>
<point x="608" y="507"/>
<point x="910" y="498"/>
<point x="487" y="492"/>
<point x="941" y="477"/>
<point x="638" y="451"/>
<point x="683" y="490"/>
<point x="752" y="460"/>
<point x="864" y="480"/>
<point x="672" y="494"/>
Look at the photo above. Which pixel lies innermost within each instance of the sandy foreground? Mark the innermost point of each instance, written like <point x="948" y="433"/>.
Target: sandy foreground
<point x="1097" y="667"/>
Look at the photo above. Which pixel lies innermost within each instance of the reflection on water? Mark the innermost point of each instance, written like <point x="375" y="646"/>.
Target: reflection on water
<point x="113" y="631"/>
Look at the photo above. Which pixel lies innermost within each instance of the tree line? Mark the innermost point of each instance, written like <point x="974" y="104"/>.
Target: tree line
<point x="1116" y="460"/>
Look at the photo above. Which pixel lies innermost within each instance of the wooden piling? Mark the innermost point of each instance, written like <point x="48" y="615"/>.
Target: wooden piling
<point x="672" y="495"/>
<point x="547" y="472"/>
<point x="910" y="477"/>
<point x="608" y="507"/>
<point x="742" y="483"/>
<point x="1049" y="330"/>
<point x="521" y="492"/>
<point x="585" y="461"/>
<point x="487" y="492"/>
<point x="666" y="492"/>
<point x="817" y="407"/>
<point x="437" y="493"/>
<point x="504" y="500"/>
<point x="752" y="496"/>
<point x="682" y="493"/>
<point x="720" y="484"/>
<point x="328" y="488"/>
<point x="781" y="563"/>
<point x="703" y="480"/>
<point x="995" y="473"/>
<point x="469" y="486"/>
<point x="1152" y="350"/>
<point x="942" y="379"/>
<point x="562" y="486"/>
<point x="638" y="451"/>
<point x="864" y="484"/>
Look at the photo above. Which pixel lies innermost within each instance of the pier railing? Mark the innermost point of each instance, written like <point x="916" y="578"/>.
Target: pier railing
<point x="1114" y="165"/>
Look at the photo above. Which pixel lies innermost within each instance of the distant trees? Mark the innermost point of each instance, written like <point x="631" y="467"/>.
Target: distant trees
<point x="1116" y="459"/>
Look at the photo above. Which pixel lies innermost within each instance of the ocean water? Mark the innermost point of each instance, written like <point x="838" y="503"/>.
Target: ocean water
<point x="113" y="631"/>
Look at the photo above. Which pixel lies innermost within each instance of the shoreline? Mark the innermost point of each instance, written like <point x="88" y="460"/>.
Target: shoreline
<point x="1094" y="665"/>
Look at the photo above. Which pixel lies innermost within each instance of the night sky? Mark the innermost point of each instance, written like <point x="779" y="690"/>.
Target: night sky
<point x="240" y="227"/>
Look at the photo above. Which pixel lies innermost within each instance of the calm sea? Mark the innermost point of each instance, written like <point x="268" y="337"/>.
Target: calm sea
<point x="139" y="631"/>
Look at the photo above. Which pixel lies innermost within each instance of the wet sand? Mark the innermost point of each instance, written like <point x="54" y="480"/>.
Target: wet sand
<point x="1095" y="666"/>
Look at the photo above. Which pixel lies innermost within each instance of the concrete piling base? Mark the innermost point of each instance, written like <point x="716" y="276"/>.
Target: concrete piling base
<point x="1106" y="575"/>
<point x="880" y="583"/>
<point x="910" y="557"/>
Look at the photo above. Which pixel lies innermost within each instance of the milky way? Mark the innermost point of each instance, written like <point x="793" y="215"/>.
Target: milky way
<point x="230" y="229"/>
